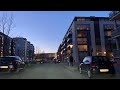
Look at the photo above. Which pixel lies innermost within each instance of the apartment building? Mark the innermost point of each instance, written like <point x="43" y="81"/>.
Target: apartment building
<point x="5" y="45"/>
<point x="114" y="16"/>
<point x="88" y="36"/>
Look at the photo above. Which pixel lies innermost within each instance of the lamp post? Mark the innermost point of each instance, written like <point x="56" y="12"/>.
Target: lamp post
<point x="71" y="46"/>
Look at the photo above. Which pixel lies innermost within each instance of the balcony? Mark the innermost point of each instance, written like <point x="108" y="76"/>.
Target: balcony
<point x="116" y="53"/>
<point x="114" y="15"/>
<point x="116" y="32"/>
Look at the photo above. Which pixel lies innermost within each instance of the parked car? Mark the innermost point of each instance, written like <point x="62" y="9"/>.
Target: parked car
<point x="42" y="61"/>
<point x="11" y="63"/>
<point x="96" y="65"/>
<point x="58" y="61"/>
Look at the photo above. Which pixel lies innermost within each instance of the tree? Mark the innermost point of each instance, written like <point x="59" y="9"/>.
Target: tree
<point x="6" y="23"/>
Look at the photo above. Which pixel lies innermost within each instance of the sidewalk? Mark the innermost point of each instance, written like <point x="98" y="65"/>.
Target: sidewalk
<point x="75" y="69"/>
<point x="71" y="68"/>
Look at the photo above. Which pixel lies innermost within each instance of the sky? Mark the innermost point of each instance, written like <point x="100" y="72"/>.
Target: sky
<point x="46" y="29"/>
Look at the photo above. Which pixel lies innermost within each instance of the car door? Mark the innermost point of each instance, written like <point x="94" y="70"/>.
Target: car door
<point x="83" y="64"/>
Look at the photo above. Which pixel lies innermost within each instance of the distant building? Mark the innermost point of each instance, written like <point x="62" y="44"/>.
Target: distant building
<point x="48" y="56"/>
<point x="32" y="52"/>
<point x="5" y="45"/>
<point x="20" y="47"/>
<point x="28" y="50"/>
<point x="88" y="36"/>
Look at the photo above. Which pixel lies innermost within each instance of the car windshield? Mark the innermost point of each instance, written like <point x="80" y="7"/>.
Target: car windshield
<point x="100" y="59"/>
<point x="6" y="59"/>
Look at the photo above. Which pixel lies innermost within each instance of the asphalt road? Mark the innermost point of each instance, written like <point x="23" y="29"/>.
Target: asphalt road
<point x="47" y="71"/>
<point x="43" y="71"/>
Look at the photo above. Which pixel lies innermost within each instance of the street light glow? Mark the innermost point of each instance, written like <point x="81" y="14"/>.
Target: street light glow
<point x="71" y="46"/>
<point x="104" y="52"/>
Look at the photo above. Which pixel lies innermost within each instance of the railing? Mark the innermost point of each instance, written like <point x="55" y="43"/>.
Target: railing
<point x="116" y="53"/>
<point x="116" y="32"/>
<point x="113" y="13"/>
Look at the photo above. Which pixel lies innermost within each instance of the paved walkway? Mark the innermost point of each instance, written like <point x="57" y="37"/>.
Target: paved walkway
<point x="75" y="70"/>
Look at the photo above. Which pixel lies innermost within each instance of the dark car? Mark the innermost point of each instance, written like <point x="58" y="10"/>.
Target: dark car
<point x="11" y="63"/>
<point x="42" y="61"/>
<point x="58" y="61"/>
<point x="96" y="65"/>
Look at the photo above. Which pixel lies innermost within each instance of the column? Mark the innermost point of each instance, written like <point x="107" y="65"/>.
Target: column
<point x="117" y="44"/>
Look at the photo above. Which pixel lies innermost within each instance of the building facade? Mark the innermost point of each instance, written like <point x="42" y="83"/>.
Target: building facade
<point x="114" y="16"/>
<point x="32" y="52"/>
<point x="45" y="56"/>
<point x="5" y="45"/>
<point x="20" y="47"/>
<point x="88" y="36"/>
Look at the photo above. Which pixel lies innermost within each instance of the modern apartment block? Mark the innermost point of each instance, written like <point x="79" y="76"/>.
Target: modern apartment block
<point x="28" y="49"/>
<point x="114" y="16"/>
<point x="88" y="36"/>
<point x="23" y="48"/>
<point x="5" y="45"/>
<point x="20" y="47"/>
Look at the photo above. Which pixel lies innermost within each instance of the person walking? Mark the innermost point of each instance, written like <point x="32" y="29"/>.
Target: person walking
<point x="71" y="60"/>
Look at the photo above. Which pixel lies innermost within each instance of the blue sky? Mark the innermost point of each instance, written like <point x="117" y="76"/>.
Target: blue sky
<point x="46" y="29"/>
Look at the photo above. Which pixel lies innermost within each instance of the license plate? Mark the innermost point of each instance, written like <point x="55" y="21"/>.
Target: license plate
<point x="3" y="66"/>
<point x="104" y="70"/>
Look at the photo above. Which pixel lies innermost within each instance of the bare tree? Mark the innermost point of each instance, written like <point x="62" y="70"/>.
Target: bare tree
<point x="6" y="23"/>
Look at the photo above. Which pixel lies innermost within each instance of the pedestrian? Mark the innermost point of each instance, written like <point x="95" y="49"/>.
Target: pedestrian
<point x="71" y="60"/>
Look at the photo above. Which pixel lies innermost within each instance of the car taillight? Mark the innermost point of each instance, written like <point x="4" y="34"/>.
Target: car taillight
<point x="93" y="65"/>
<point x="111" y="64"/>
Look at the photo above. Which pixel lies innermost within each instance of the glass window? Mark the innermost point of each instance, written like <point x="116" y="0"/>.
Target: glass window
<point x="82" y="47"/>
<point x="108" y="33"/>
<point x="82" y="34"/>
<point x="83" y="27"/>
<point x="81" y="19"/>
<point x="98" y="48"/>
<point x="108" y="26"/>
<point x="82" y="40"/>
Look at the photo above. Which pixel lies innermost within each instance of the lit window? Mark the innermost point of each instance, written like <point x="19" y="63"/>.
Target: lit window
<point x="83" y="27"/>
<point x="82" y="40"/>
<point x="82" y="47"/>
<point x="82" y="34"/>
<point x="108" y="33"/>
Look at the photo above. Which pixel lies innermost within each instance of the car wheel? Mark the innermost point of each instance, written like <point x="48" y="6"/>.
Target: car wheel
<point x="17" y="70"/>
<point x="80" y="70"/>
<point x="89" y="73"/>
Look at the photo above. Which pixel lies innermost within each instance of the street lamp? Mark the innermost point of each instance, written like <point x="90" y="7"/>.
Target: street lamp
<point x="104" y="53"/>
<point x="71" y="46"/>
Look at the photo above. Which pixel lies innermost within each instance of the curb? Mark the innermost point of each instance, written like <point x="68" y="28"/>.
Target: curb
<point x="70" y="69"/>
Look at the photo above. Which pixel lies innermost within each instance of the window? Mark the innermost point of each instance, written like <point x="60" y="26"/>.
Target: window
<point x="82" y="40"/>
<point x="108" y="26"/>
<point x="98" y="48"/>
<point x="82" y="34"/>
<point x="83" y="27"/>
<point x="108" y="33"/>
<point x="81" y="19"/>
<point x="82" y="47"/>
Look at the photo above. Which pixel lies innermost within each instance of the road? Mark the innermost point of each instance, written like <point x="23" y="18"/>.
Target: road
<point x="45" y="71"/>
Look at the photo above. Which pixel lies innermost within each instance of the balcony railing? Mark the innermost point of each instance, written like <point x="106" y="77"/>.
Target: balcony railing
<point x="116" y="53"/>
<point x="116" y="32"/>
<point x="113" y="13"/>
